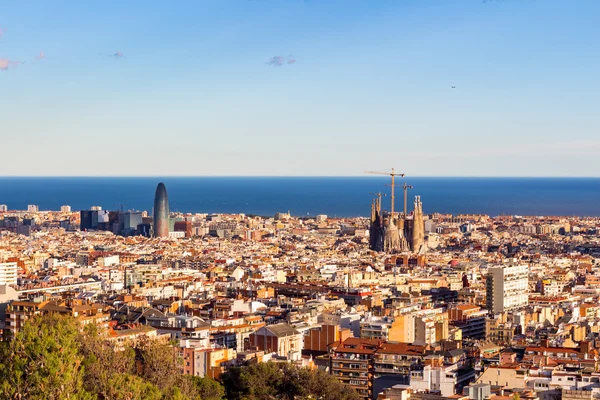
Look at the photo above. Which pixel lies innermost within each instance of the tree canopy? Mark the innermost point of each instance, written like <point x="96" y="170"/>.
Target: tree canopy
<point x="52" y="358"/>
<point x="43" y="361"/>
<point x="283" y="381"/>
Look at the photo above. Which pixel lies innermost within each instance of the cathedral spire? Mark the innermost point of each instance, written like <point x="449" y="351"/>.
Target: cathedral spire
<point x="418" y="226"/>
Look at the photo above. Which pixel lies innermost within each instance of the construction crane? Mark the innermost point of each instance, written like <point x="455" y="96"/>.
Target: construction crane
<point x="393" y="174"/>
<point x="406" y="187"/>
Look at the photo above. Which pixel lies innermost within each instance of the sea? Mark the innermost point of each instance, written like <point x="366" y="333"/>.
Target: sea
<point x="308" y="196"/>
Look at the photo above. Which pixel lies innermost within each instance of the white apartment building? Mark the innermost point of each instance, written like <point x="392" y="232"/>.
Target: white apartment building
<point x="3" y="208"/>
<point x="32" y="208"/>
<point x="65" y="209"/>
<point x="8" y="273"/>
<point x="321" y="218"/>
<point x="507" y="286"/>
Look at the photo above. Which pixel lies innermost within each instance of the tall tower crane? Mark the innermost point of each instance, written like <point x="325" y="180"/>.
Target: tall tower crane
<point x="393" y="174"/>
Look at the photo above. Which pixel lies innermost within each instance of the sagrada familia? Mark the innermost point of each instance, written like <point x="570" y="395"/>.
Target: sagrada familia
<point x="397" y="233"/>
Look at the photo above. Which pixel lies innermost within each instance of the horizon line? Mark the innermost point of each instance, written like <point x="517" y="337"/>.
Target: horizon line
<point x="366" y="176"/>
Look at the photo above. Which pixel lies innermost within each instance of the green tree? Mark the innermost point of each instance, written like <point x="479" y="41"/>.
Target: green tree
<point x="43" y="361"/>
<point x="239" y="384"/>
<point x="130" y="387"/>
<point x="283" y="381"/>
<point x="102" y="362"/>
<point x="177" y="394"/>
<point x="324" y="386"/>
<point x="160" y="363"/>
<point x="207" y="388"/>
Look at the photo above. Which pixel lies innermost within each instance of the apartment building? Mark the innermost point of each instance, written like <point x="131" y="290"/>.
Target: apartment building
<point x="205" y="362"/>
<point x="282" y="339"/>
<point x="470" y="319"/>
<point x="370" y="365"/>
<point x="438" y="376"/>
<point x="8" y="273"/>
<point x="18" y="312"/>
<point x="507" y="286"/>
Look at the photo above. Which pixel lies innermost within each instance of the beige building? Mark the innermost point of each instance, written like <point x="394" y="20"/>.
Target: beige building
<point x="206" y="361"/>
<point x="508" y="376"/>
<point x="282" y="339"/>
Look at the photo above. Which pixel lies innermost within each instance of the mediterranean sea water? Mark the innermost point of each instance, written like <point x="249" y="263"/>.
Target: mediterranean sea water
<point x="309" y="196"/>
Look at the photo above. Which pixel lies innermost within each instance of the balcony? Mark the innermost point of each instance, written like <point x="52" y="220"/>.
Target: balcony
<point x="344" y="378"/>
<point x="349" y="367"/>
<point x="357" y="385"/>
<point x="393" y="363"/>
<point x="416" y="377"/>
<point x="349" y="357"/>
<point x="394" y="370"/>
<point x="346" y="360"/>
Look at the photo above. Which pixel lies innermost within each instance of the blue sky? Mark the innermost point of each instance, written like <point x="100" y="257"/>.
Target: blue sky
<point x="371" y="87"/>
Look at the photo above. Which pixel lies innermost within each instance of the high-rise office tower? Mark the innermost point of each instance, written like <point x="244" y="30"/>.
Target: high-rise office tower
<point x="507" y="286"/>
<point x="130" y="221"/>
<point x="161" y="211"/>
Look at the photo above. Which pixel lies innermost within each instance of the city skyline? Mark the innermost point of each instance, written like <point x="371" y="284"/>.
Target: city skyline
<point x="341" y="196"/>
<point x="300" y="199"/>
<point x="300" y="88"/>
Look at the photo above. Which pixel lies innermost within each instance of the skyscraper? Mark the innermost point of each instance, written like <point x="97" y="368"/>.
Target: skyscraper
<point x="161" y="211"/>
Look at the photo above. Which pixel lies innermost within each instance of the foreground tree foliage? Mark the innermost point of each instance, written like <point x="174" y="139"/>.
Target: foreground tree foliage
<point x="50" y="358"/>
<point x="283" y="381"/>
<point x="207" y="389"/>
<point x="104" y="367"/>
<point x="43" y="361"/>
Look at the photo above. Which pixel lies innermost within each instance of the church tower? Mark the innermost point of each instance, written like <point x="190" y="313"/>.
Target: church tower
<point x="418" y="227"/>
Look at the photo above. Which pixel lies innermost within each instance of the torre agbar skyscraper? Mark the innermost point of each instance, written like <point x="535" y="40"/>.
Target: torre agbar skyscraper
<point x="161" y="211"/>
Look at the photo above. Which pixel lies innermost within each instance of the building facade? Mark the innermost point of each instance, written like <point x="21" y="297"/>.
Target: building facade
<point x="8" y="273"/>
<point x="507" y="286"/>
<point x="282" y="339"/>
